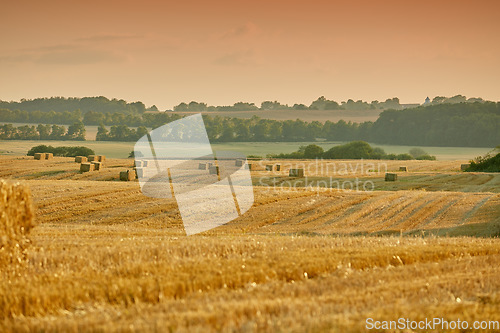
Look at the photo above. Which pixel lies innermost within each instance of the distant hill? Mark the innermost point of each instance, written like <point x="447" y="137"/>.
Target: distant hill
<point x="103" y="104"/>
<point x="84" y="104"/>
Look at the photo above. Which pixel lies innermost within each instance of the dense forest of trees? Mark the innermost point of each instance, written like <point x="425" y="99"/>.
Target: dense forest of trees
<point x="462" y="124"/>
<point x="459" y="125"/>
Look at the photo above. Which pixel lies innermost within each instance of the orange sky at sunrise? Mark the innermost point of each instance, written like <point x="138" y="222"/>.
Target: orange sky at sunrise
<point x="222" y="52"/>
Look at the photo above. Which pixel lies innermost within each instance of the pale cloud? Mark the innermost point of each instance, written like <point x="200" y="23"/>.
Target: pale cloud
<point x="237" y="58"/>
<point x="80" y="51"/>
<point x="49" y="48"/>
<point x="107" y="38"/>
<point x="80" y="57"/>
<point x="249" y="29"/>
<point x="12" y="59"/>
<point x="74" y="55"/>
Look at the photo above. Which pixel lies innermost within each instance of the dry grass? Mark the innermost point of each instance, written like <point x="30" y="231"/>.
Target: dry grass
<point x="424" y="175"/>
<point x="16" y="221"/>
<point x="107" y="258"/>
<point x="149" y="280"/>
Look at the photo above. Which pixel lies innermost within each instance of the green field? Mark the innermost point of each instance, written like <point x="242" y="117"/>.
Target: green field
<point x="122" y="149"/>
<point x="263" y="148"/>
<point x="356" y="116"/>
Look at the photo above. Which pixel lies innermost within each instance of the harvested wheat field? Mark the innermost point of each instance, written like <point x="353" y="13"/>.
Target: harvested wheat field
<point x="103" y="257"/>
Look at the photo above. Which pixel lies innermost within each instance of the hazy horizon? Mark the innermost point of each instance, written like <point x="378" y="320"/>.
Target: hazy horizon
<point x="223" y="52"/>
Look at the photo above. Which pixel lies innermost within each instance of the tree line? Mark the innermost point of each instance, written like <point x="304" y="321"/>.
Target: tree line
<point x="64" y="151"/>
<point x="445" y="125"/>
<point x="43" y="110"/>
<point x="487" y="163"/>
<point x="321" y="103"/>
<point x="120" y="133"/>
<point x="87" y="118"/>
<point x="352" y="150"/>
<point x="449" y="125"/>
<point x="85" y="104"/>
<point x="442" y="124"/>
<point x="43" y="132"/>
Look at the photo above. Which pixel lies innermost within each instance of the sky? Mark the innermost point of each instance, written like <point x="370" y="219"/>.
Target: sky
<point x="222" y="52"/>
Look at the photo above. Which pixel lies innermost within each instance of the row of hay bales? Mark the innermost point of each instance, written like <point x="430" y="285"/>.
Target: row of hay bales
<point x="214" y="169"/>
<point x="392" y="177"/>
<point x="211" y="167"/>
<point x="90" y="158"/>
<point x="136" y="172"/>
<point x="91" y="166"/>
<point x="16" y="220"/>
<point x="43" y="156"/>
<point x="273" y="167"/>
<point x="90" y="163"/>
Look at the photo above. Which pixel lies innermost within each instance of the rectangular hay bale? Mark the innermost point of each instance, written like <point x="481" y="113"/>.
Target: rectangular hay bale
<point x="403" y="168"/>
<point x="97" y="165"/>
<point x="101" y="158"/>
<point x="127" y="175"/>
<point x="269" y="167"/>
<point x="296" y="173"/>
<point x="93" y="158"/>
<point x="49" y="156"/>
<point x="278" y="167"/>
<point x="86" y="167"/>
<point x="202" y="166"/>
<point x="39" y="156"/>
<point x="80" y="159"/>
<point x="391" y="177"/>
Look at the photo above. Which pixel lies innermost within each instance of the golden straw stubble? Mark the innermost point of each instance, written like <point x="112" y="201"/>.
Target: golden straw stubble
<point x="16" y="220"/>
